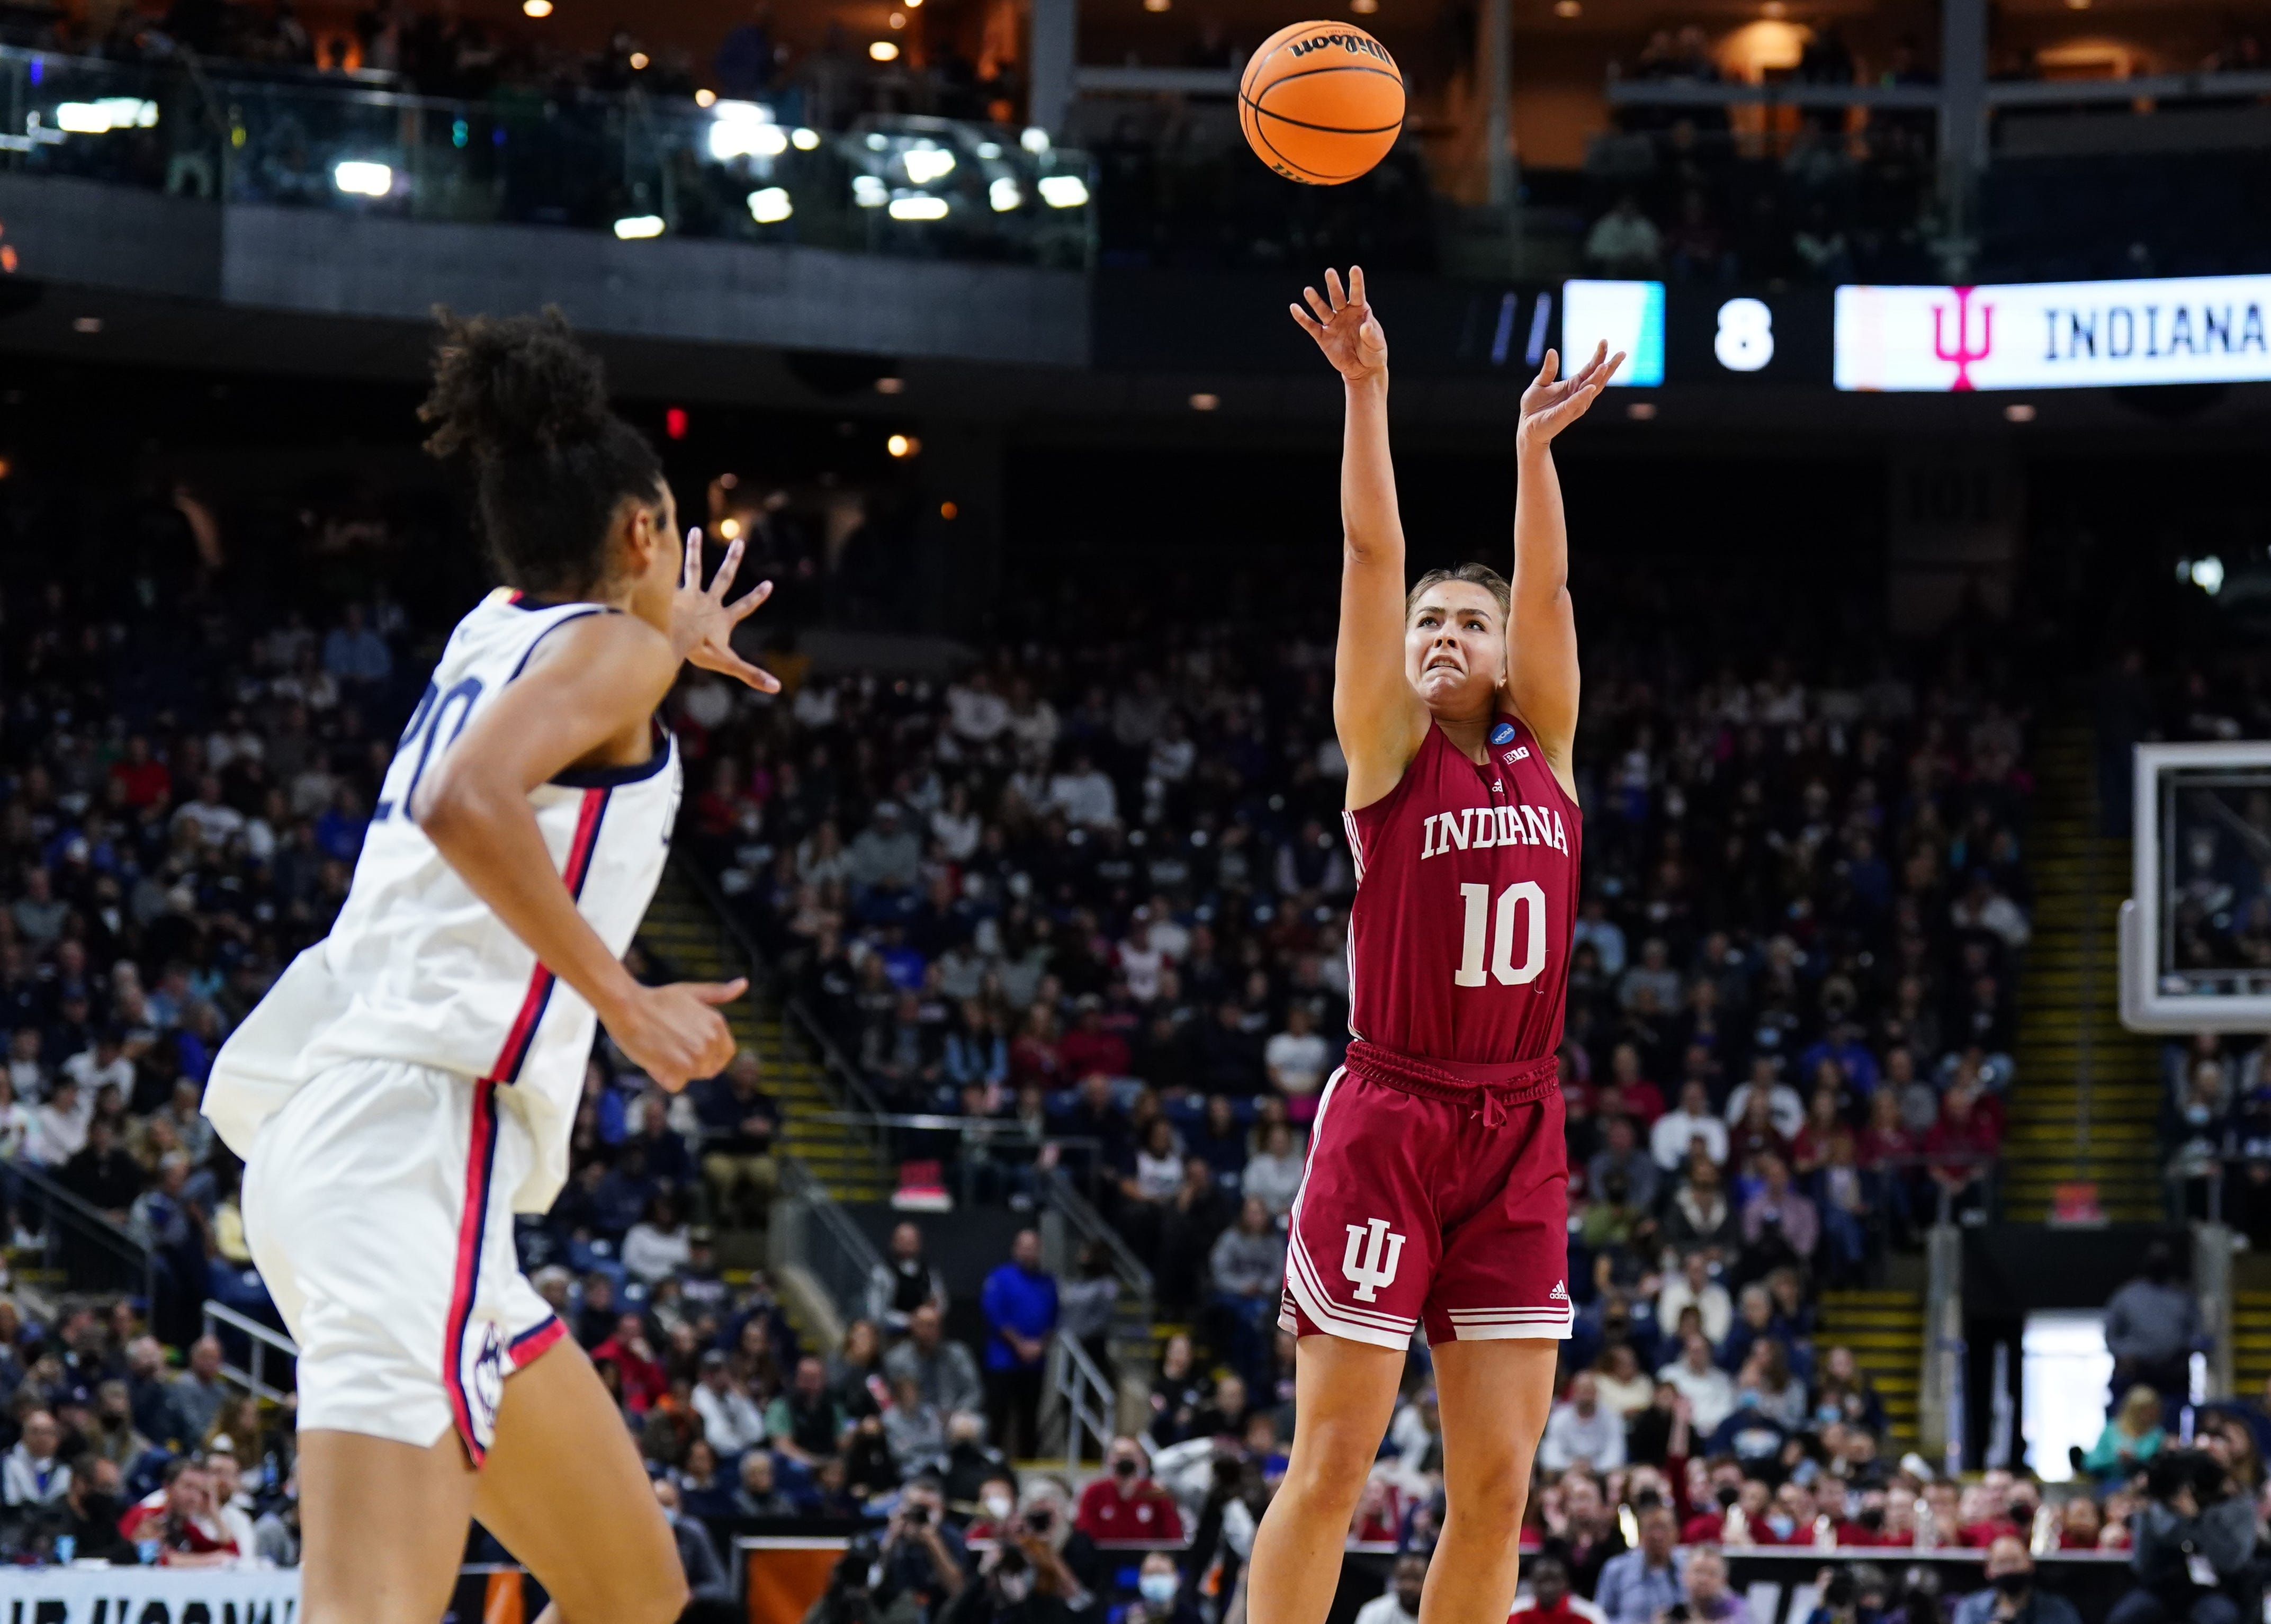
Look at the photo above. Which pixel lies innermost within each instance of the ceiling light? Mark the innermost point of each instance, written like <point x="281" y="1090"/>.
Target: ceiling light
<point x="1035" y="141"/>
<point x="1004" y="194"/>
<point x="1364" y="8"/>
<point x="926" y="164"/>
<point x="638" y="62"/>
<point x="538" y="9"/>
<point x="804" y="140"/>
<point x="1774" y="9"/>
<point x="1063" y="191"/>
<point x="946" y="509"/>
<point x="883" y="51"/>
<point x="1154" y="5"/>
<point x="869" y="192"/>
<point x="2018" y="412"/>
<point x="891" y="386"/>
<point x="1205" y="402"/>
<point x="705" y="97"/>
<point x="769" y="205"/>
<point x="903" y="445"/>
<point x="87" y="324"/>
<point x="920" y="206"/>
<point x="729" y="528"/>
<point x="898" y="19"/>
<point x="1567" y="7"/>
<point x="635" y="227"/>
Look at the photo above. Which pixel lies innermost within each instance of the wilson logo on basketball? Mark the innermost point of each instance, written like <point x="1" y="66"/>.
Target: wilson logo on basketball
<point x="1362" y="42"/>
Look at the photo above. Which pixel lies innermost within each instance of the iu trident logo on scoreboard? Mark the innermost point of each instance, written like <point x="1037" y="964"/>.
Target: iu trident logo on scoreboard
<point x="1377" y="1268"/>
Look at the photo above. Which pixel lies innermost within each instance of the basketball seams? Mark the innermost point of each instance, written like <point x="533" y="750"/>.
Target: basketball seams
<point x="1303" y="123"/>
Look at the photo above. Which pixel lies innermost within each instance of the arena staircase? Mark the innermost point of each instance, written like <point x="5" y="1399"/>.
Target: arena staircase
<point x="2251" y="1341"/>
<point x="2085" y="1104"/>
<point x="685" y="934"/>
<point x="1885" y="1330"/>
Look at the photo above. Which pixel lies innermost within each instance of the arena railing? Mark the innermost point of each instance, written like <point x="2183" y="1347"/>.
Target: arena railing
<point x="633" y="164"/>
<point x="80" y="1247"/>
<point x="811" y="1231"/>
<point x="1079" y="1399"/>
<point x="228" y="1327"/>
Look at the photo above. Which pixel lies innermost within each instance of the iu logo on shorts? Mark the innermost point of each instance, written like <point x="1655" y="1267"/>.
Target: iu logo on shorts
<point x="1377" y="1267"/>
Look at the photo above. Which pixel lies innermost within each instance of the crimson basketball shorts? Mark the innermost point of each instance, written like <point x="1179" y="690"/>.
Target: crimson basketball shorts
<point x="1425" y="1201"/>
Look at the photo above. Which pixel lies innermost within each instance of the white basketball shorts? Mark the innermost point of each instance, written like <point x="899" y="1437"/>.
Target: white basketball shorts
<point x="377" y="1205"/>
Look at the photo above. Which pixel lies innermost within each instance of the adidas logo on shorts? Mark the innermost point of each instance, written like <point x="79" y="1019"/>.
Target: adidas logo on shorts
<point x="1560" y="1293"/>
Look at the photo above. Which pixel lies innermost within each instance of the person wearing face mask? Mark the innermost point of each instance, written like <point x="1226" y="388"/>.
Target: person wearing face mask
<point x="2011" y="1596"/>
<point x="997" y="1505"/>
<point x="88" y="1514"/>
<point x="1159" y="1598"/>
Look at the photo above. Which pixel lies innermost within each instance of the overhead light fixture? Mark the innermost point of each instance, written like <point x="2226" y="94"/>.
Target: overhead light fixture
<point x="538" y="9"/>
<point x="729" y="528"/>
<point x="638" y="62"/>
<point x="105" y="113"/>
<point x="946" y="509"/>
<point x="891" y="386"/>
<point x="88" y="325"/>
<point x="1205" y="402"/>
<point x="636" y="228"/>
<point x="744" y="129"/>
<point x="728" y="480"/>
<point x="2018" y="412"/>
<point x="706" y="97"/>
<point x="1364" y="8"/>
<point x="883" y="51"/>
<point x="803" y="140"/>
<point x="360" y="178"/>
<point x="1567" y="7"/>
<point x="920" y="206"/>
<point x="1156" y="5"/>
<point x="1035" y="141"/>
<point x="1004" y="194"/>
<point x="898" y="19"/>
<point x="769" y="205"/>
<point x="903" y="446"/>
<point x="869" y="192"/>
<point x="1063" y="191"/>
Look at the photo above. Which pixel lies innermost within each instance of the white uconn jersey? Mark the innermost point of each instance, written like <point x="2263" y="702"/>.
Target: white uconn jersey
<point x="418" y="968"/>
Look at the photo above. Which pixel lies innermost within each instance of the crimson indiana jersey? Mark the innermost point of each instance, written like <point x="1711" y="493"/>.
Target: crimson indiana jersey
<point x="1466" y="899"/>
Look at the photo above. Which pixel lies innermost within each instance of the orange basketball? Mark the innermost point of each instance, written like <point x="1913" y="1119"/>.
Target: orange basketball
<point x="1321" y="102"/>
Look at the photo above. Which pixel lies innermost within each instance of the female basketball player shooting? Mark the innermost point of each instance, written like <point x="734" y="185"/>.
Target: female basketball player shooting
<point x="410" y="1082"/>
<point x="1436" y="1186"/>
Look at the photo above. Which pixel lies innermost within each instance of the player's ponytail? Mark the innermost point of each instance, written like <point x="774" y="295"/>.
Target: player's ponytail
<point x="528" y="405"/>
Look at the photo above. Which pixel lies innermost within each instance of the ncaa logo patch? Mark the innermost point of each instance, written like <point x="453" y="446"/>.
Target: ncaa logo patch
<point x="1502" y="734"/>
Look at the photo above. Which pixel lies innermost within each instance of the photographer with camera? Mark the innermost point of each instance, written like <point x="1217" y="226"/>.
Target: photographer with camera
<point x="850" y="1597"/>
<point x="2194" y="1547"/>
<point x="2011" y="1596"/>
<point x="921" y="1554"/>
<point x="1020" y="1581"/>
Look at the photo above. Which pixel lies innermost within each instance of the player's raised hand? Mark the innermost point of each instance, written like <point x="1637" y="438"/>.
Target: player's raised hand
<point x="1342" y="322"/>
<point x="675" y="1033"/>
<point x="702" y="622"/>
<point x="1550" y="404"/>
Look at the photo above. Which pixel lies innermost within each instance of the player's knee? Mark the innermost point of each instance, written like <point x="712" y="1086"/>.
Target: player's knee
<point x="1495" y="1500"/>
<point x="1331" y="1461"/>
<point x="656" y="1596"/>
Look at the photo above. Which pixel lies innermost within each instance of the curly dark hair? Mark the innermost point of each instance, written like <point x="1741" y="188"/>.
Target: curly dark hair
<point x="528" y="405"/>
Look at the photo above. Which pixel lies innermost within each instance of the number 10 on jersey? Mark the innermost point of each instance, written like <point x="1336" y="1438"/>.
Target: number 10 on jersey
<point x="1482" y="932"/>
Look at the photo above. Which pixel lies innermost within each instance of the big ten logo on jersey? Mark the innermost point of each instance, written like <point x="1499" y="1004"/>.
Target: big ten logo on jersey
<point x="1480" y="828"/>
<point x="1503" y="735"/>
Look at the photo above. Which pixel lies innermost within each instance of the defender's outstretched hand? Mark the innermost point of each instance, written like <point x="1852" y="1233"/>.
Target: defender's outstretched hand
<point x="1345" y="327"/>
<point x="1548" y="407"/>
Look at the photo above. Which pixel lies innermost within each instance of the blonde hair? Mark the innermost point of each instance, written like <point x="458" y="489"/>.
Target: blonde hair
<point x="1475" y="575"/>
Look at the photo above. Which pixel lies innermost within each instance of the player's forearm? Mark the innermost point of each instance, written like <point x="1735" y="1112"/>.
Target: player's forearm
<point x="1369" y="519"/>
<point x="487" y="833"/>
<point x="1541" y="530"/>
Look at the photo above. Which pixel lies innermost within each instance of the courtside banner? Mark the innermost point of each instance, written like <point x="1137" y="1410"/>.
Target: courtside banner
<point x="2055" y="335"/>
<point x="149" y="1595"/>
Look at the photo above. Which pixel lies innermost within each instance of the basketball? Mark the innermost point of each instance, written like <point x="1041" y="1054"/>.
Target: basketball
<point x="1321" y="102"/>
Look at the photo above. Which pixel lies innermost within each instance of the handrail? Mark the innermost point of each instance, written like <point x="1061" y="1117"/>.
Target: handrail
<point x="1089" y="1400"/>
<point x="1059" y="1191"/>
<point x="89" y="1221"/>
<point x="833" y="1060"/>
<point x="852" y="1255"/>
<point x="262" y="1338"/>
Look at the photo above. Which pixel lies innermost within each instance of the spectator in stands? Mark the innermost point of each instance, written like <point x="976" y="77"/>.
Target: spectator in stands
<point x="1704" y="1579"/>
<point x="806" y="1424"/>
<point x="942" y="1371"/>
<point x="760" y="1495"/>
<point x="2012" y="1596"/>
<point x="730" y="1417"/>
<point x="738" y="1119"/>
<point x="707" y="1579"/>
<point x="34" y="1474"/>
<point x="1125" y="1505"/>
<point x="1248" y="1266"/>
<point x="1581" y="1428"/>
<point x="1020" y="1303"/>
<point x="1677" y="1130"/>
<point x="1551" y="1600"/>
<point x="1159" y="1598"/>
<point x="1708" y="1390"/>
<point x="2152" y="1328"/>
<point x="1625" y="242"/>
<point x="88" y="1513"/>
<point x="1273" y="1174"/>
<point x="1399" y="1604"/>
<point x="904" y="1282"/>
<point x="198" y="1392"/>
<point x="2131" y="1437"/>
<point x="1642" y="1585"/>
